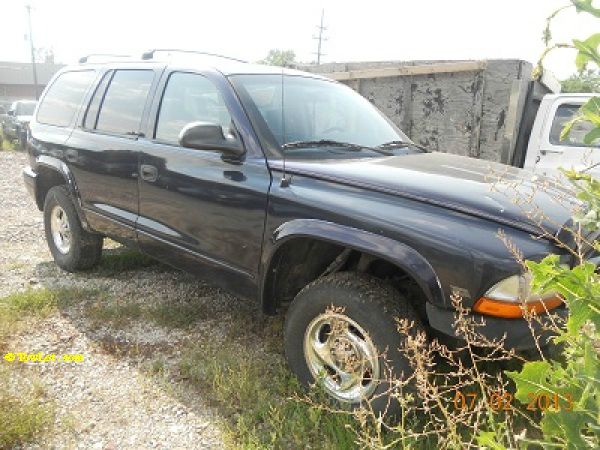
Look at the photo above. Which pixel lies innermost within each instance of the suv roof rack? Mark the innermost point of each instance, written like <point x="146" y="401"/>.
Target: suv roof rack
<point x="150" y="54"/>
<point x="86" y="58"/>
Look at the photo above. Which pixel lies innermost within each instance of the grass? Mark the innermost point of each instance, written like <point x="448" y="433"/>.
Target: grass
<point x="7" y="145"/>
<point x="23" y="418"/>
<point x="122" y="261"/>
<point x="254" y="393"/>
<point x="26" y="416"/>
<point x="23" y="307"/>
<point x="169" y="315"/>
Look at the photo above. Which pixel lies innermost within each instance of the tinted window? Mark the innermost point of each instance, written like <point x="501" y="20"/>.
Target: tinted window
<point x="564" y="114"/>
<point x="92" y="113"/>
<point x="61" y="102"/>
<point x="308" y="109"/>
<point x="25" y="108"/>
<point x="124" y="101"/>
<point x="189" y="98"/>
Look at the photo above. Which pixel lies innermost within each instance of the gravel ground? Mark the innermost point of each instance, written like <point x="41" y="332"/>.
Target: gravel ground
<point x="106" y="402"/>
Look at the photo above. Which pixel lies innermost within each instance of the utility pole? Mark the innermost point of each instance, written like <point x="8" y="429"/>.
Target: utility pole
<point x="35" y="80"/>
<point x="320" y="38"/>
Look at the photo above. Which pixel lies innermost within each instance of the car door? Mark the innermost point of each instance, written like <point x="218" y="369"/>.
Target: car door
<point x="571" y="152"/>
<point x="200" y="209"/>
<point x="103" y="151"/>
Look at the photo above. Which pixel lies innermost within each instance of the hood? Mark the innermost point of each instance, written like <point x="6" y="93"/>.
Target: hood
<point x="493" y="191"/>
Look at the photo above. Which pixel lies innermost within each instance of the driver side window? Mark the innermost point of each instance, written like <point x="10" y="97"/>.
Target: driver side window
<point x="564" y="114"/>
<point x="188" y="98"/>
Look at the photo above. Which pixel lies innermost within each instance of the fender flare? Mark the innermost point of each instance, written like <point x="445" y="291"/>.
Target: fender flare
<point x="395" y="252"/>
<point x="58" y="166"/>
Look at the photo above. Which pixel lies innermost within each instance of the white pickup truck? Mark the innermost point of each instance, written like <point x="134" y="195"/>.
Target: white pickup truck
<point x="488" y="109"/>
<point x="546" y="152"/>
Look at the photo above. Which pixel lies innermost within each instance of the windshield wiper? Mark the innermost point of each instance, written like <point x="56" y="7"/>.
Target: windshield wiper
<point x="331" y="143"/>
<point x="401" y="144"/>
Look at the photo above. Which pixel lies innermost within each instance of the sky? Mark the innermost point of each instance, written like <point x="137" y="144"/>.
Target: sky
<point x="356" y="31"/>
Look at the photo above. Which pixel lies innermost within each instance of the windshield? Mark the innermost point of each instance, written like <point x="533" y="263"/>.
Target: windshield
<point x="297" y="109"/>
<point x="25" y="108"/>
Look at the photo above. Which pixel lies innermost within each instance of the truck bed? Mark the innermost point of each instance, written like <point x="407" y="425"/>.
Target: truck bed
<point x="484" y="108"/>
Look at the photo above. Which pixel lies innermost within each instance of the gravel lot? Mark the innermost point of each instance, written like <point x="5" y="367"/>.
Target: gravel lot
<point x="109" y="401"/>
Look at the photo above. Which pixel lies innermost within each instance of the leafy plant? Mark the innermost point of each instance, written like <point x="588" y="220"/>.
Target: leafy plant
<point x="573" y="379"/>
<point x="586" y="80"/>
<point x="277" y="57"/>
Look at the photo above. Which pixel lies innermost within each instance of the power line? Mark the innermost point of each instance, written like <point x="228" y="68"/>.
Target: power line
<point x="320" y="38"/>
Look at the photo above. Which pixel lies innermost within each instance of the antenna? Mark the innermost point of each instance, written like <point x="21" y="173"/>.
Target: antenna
<point x="320" y="38"/>
<point x="285" y="178"/>
<point x="150" y="54"/>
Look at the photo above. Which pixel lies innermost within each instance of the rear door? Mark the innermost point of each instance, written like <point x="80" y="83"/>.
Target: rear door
<point x="571" y="152"/>
<point x="104" y="150"/>
<point x="199" y="209"/>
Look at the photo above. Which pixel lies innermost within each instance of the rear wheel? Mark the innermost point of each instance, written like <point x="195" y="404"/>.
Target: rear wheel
<point x="72" y="247"/>
<point x="341" y="332"/>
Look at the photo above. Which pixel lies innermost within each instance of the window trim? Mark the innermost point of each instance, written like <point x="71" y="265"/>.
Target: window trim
<point x="149" y="96"/>
<point x="81" y="102"/>
<point x="160" y="102"/>
<point x="109" y="73"/>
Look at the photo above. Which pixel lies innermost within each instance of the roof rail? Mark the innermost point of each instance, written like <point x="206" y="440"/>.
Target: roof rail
<point x="150" y="54"/>
<point x="86" y="58"/>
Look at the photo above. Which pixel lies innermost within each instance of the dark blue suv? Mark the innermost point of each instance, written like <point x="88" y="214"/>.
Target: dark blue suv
<point x="284" y="186"/>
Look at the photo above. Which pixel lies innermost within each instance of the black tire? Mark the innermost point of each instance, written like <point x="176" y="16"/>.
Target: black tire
<point x="370" y="303"/>
<point x="85" y="248"/>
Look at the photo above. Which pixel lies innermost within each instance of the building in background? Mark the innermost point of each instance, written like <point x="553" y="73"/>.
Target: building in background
<point x="16" y="80"/>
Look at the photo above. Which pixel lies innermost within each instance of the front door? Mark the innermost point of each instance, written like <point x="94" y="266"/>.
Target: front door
<point x="571" y="152"/>
<point x="198" y="209"/>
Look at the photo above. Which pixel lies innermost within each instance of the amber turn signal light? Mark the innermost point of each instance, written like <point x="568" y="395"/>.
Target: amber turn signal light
<point x="511" y="310"/>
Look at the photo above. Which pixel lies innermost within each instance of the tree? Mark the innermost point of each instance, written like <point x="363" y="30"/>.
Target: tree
<point x="44" y="55"/>
<point x="583" y="81"/>
<point x="283" y="58"/>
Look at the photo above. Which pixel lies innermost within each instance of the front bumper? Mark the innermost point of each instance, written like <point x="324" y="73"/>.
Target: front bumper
<point x="31" y="183"/>
<point x="518" y="333"/>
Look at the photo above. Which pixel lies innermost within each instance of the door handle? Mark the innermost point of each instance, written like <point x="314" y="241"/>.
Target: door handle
<point x="148" y="173"/>
<point x="546" y="151"/>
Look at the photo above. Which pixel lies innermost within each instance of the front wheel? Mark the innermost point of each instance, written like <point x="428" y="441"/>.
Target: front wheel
<point x="72" y="247"/>
<point x="341" y="332"/>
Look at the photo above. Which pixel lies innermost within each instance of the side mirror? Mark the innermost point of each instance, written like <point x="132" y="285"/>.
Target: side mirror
<point x="11" y="112"/>
<point x="209" y="136"/>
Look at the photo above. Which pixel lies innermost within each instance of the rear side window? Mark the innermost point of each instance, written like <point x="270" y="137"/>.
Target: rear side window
<point x="124" y="101"/>
<point x="91" y="116"/>
<point x="61" y="103"/>
<point x="564" y="114"/>
<point x="189" y="98"/>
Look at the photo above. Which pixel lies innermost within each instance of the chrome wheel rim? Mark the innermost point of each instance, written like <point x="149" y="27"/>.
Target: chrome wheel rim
<point x="60" y="230"/>
<point x="341" y="357"/>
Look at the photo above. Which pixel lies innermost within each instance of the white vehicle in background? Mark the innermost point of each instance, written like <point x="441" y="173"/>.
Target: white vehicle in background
<point x="546" y="152"/>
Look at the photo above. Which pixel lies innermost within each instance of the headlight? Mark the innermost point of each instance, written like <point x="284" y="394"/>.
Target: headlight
<point x="511" y="296"/>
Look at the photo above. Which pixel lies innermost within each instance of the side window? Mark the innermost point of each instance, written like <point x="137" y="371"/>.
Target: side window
<point x="189" y="98"/>
<point x="91" y="116"/>
<point x="124" y="101"/>
<point x="61" y="103"/>
<point x="564" y="114"/>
